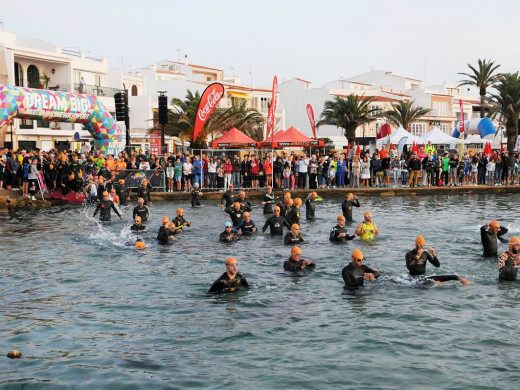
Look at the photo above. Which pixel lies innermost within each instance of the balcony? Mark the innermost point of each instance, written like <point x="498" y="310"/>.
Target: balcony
<point x="95" y="90"/>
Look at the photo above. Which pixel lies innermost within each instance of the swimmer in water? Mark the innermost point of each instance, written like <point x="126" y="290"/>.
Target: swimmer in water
<point x="295" y="262"/>
<point x="275" y="223"/>
<point x="228" y="235"/>
<point x="489" y="234"/>
<point x="138" y="226"/>
<point x="417" y="259"/>
<point x="269" y="199"/>
<point x="508" y="261"/>
<point x="367" y="229"/>
<point x="228" y="198"/>
<point x="104" y="208"/>
<point x="196" y="193"/>
<point x="245" y="205"/>
<point x="355" y="274"/>
<point x="179" y="221"/>
<point x="165" y="234"/>
<point x="236" y="213"/>
<point x="247" y="226"/>
<point x="310" y="206"/>
<point x="293" y="214"/>
<point x="229" y="281"/>
<point x="339" y="232"/>
<point x="293" y="236"/>
<point x="347" y="205"/>
<point x="141" y="210"/>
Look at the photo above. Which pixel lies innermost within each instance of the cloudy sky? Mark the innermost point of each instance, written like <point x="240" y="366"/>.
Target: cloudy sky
<point x="318" y="41"/>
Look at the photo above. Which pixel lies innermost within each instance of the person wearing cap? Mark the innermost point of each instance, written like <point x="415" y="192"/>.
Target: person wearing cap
<point x="245" y="204"/>
<point x="508" y="261"/>
<point x="138" y="226"/>
<point x="179" y="221"/>
<point x="350" y="201"/>
<point x="275" y="223"/>
<point x="228" y="235"/>
<point x="141" y="210"/>
<point x="229" y="281"/>
<point x="283" y="203"/>
<point x="165" y="232"/>
<point x="367" y="229"/>
<point x="339" y="232"/>
<point x="417" y="258"/>
<point x="293" y="236"/>
<point x="144" y="190"/>
<point x="228" y="198"/>
<point x="269" y="199"/>
<point x="293" y="214"/>
<point x="121" y="191"/>
<point x="236" y="213"/>
<point x="104" y="208"/>
<point x="196" y="192"/>
<point x="310" y="206"/>
<point x="295" y="262"/>
<point x="489" y="233"/>
<point x="246" y="226"/>
<point x="356" y="272"/>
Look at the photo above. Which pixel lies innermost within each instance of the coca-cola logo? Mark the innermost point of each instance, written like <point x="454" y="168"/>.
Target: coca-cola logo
<point x="310" y="114"/>
<point x="213" y="98"/>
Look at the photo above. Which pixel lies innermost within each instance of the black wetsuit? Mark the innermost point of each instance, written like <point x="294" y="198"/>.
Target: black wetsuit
<point x="179" y="223"/>
<point x="336" y="231"/>
<point x="137" y="228"/>
<point x="269" y="202"/>
<point x="104" y="210"/>
<point x="310" y="208"/>
<point x="225" y="285"/>
<point x="245" y="205"/>
<point x="141" y="211"/>
<point x="245" y="227"/>
<point x="236" y="216"/>
<point x="122" y="193"/>
<point x="164" y="235"/>
<point x="276" y="225"/>
<point x="509" y="271"/>
<point x="144" y="192"/>
<point x="353" y="276"/>
<point x="228" y="236"/>
<point x="229" y="198"/>
<point x="430" y="280"/>
<point x="346" y="206"/>
<point x="489" y="241"/>
<point x="295" y="266"/>
<point x="417" y="265"/>
<point x="293" y="215"/>
<point x="195" y="197"/>
<point x="291" y="239"/>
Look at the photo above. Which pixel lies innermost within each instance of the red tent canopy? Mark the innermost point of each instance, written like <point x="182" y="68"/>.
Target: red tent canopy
<point x="234" y="138"/>
<point x="292" y="137"/>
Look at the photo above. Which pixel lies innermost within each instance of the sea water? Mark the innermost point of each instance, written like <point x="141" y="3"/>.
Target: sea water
<point x="89" y="311"/>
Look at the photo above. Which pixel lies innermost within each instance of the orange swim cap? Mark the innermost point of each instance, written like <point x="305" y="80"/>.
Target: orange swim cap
<point x="105" y="193"/>
<point x="494" y="224"/>
<point x="229" y="260"/>
<point x="287" y="195"/>
<point x="420" y="240"/>
<point x="140" y="244"/>
<point x="294" y="226"/>
<point x="140" y="200"/>
<point x="171" y="224"/>
<point x="179" y="210"/>
<point x="71" y="177"/>
<point x="289" y="202"/>
<point x="341" y="217"/>
<point x="297" y="202"/>
<point x="276" y="208"/>
<point x="237" y="204"/>
<point x="350" y="195"/>
<point x="137" y="218"/>
<point x="367" y="214"/>
<point x="51" y="166"/>
<point x="357" y="254"/>
<point x="165" y="219"/>
<point x="314" y="193"/>
<point x="296" y="250"/>
<point x="514" y="241"/>
<point x="246" y="214"/>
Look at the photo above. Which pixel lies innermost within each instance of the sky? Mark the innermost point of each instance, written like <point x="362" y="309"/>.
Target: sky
<point x="318" y="41"/>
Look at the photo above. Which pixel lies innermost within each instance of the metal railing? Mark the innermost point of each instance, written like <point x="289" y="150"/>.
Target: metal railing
<point x="95" y="90"/>
<point x="133" y="178"/>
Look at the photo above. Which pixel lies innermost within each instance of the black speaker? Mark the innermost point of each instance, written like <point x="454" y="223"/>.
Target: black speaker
<point x="119" y="99"/>
<point x="163" y="109"/>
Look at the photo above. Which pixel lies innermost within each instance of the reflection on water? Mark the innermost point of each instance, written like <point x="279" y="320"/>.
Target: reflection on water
<point x="87" y="310"/>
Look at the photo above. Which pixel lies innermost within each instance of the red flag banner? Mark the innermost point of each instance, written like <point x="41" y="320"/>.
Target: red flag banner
<point x="272" y="107"/>
<point x="155" y="142"/>
<point x="310" y="114"/>
<point x="208" y="102"/>
<point x="462" y="124"/>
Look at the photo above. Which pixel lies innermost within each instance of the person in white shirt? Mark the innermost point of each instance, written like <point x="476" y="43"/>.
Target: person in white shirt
<point x="187" y="170"/>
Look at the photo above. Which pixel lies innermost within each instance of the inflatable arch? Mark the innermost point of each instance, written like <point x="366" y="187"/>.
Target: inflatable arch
<point x="27" y="103"/>
<point x="483" y="127"/>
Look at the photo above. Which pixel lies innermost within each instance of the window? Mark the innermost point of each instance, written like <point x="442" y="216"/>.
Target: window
<point x="33" y="77"/>
<point x="442" y="108"/>
<point x="417" y="129"/>
<point x="134" y="90"/>
<point x="18" y="75"/>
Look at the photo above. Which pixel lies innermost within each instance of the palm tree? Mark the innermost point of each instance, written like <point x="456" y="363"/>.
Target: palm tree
<point x="246" y="119"/>
<point x="404" y="113"/>
<point x="348" y="113"/>
<point x="481" y="78"/>
<point x="507" y="100"/>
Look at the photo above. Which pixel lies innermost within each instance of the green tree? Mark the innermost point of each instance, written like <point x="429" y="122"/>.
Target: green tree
<point x="348" y="113"/>
<point x="507" y="101"/>
<point x="481" y="77"/>
<point x="404" y="113"/>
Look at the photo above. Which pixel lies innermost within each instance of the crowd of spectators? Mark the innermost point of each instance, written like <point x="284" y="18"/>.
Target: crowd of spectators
<point x="81" y="171"/>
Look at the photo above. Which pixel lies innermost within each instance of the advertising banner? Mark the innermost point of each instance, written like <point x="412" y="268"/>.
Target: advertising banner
<point x="208" y="102"/>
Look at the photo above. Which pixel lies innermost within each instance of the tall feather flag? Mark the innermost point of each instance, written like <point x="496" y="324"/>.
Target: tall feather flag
<point x="272" y="107"/>
<point x="208" y="102"/>
<point x="310" y="114"/>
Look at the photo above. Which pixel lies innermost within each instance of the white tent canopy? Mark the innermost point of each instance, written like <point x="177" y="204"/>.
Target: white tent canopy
<point x="438" y="137"/>
<point x="397" y="135"/>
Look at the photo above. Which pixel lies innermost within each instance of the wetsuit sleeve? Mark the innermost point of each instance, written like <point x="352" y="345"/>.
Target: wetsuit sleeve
<point x="332" y="236"/>
<point x="348" y="238"/>
<point x="134" y="213"/>
<point x="443" y="278"/>
<point x="355" y="203"/>
<point x="287" y="239"/>
<point x="503" y="230"/>
<point x="216" y="287"/>
<point x="237" y="228"/>
<point x="433" y="259"/>
<point x="243" y="282"/>
<point x="410" y="259"/>
<point x="223" y="237"/>
<point x="97" y="209"/>
<point x="286" y="223"/>
<point x="347" y="278"/>
<point x="248" y="206"/>
<point x="371" y="271"/>
<point x="266" y="224"/>
<point x="228" y="210"/>
<point x="115" y="210"/>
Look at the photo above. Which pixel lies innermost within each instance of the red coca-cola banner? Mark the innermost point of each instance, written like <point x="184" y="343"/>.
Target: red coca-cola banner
<point x="272" y="107"/>
<point x="310" y="114"/>
<point x="462" y="123"/>
<point x="155" y="142"/>
<point x="208" y="102"/>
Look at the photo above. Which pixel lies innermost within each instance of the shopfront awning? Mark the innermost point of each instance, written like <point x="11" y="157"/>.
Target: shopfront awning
<point x="240" y="95"/>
